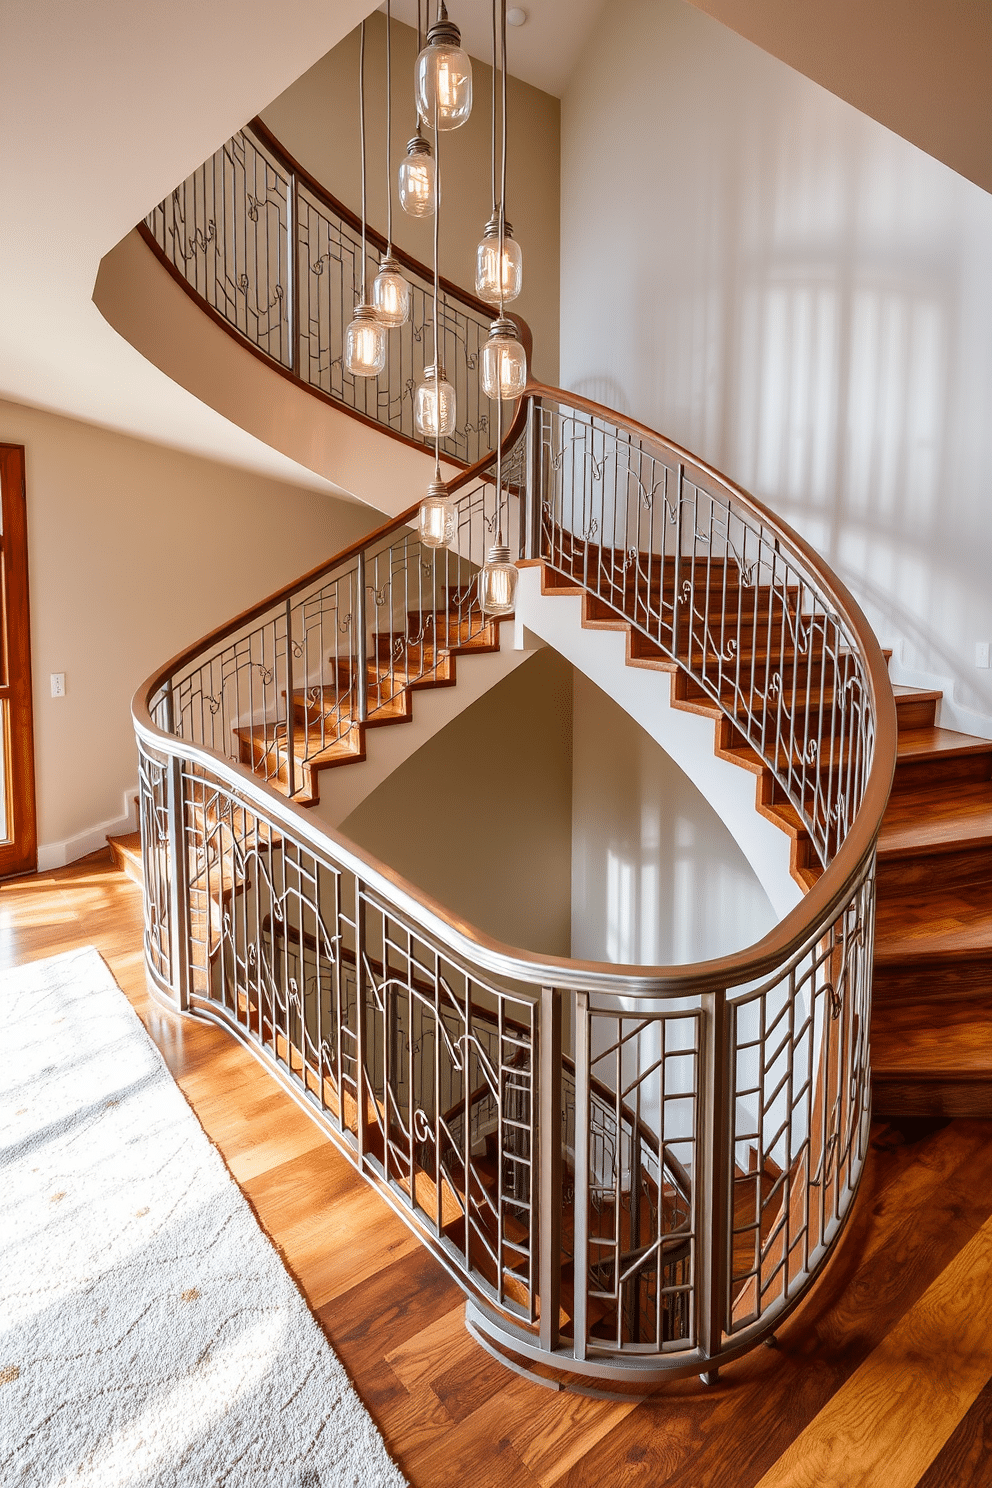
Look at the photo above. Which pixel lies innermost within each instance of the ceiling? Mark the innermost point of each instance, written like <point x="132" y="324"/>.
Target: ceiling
<point x="543" y="51"/>
<point x="104" y="106"/>
<point x="924" y="70"/>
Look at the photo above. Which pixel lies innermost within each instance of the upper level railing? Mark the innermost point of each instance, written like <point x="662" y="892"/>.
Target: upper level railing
<point x="277" y="259"/>
<point x="634" y="1172"/>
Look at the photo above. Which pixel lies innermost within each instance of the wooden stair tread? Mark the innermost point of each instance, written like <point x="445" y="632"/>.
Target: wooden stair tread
<point x="921" y="694"/>
<point x="126" y="852"/>
<point x="936" y="822"/>
<point x="932" y="743"/>
<point x="946" y="923"/>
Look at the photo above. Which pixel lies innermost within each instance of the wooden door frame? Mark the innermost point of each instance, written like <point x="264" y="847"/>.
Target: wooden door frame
<point x="20" y="853"/>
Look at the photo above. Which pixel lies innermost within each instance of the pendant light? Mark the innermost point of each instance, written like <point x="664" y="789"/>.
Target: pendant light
<point x="504" y="370"/>
<point x="499" y="271"/>
<point x="390" y="291"/>
<point x="365" y="338"/>
<point x="434" y="405"/>
<point x="498" y="260"/>
<point x="443" y="77"/>
<point x="416" y="179"/>
<point x="504" y="361"/>
<point x="437" y="518"/>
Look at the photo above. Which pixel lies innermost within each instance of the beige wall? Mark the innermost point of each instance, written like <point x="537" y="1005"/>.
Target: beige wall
<point x="924" y="70"/>
<point x="504" y="763"/>
<point x="317" y="121"/>
<point x="134" y="551"/>
<point x="802" y="298"/>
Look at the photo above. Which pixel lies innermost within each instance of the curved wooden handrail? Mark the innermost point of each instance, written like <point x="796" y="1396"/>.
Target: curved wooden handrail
<point x="372" y="235"/>
<point x="478" y="471"/>
<point x="335" y="208"/>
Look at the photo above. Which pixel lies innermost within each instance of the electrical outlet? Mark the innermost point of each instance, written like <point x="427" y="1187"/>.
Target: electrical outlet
<point x="982" y="654"/>
<point x="58" y="684"/>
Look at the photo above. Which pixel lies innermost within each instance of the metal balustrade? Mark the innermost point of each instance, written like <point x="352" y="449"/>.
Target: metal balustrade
<point x="633" y="1172"/>
<point x="278" y="260"/>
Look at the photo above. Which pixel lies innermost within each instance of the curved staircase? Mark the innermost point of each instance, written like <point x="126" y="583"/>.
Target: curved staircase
<point x="633" y="1172"/>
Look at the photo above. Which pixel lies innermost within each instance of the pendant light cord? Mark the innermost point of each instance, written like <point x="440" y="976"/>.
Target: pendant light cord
<point x="361" y="130"/>
<point x="492" y="162"/>
<point x="437" y="290"/>
<point x="389" y="128"/>
<point x="502" y="178"/>
<point x="502" y="240"/>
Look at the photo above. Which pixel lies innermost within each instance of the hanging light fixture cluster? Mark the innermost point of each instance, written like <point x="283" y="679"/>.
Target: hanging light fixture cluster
<point x="443" y="97"/>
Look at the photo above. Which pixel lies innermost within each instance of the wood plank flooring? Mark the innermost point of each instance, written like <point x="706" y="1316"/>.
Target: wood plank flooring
<point x="883" y="1376"/>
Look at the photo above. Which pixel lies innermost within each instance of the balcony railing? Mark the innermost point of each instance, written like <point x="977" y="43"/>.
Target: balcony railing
<point x="276" y="259"/>
<point x="633" y="1172"/>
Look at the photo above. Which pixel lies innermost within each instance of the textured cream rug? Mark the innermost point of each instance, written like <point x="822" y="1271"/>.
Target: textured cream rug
<point x="149" y="1333"/>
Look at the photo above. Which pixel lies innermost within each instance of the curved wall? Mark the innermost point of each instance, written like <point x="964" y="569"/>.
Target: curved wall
<point x="802" y="298"/>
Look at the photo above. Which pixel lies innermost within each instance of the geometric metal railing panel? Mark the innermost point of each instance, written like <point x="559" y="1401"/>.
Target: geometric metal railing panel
<point x="279" y="261"/>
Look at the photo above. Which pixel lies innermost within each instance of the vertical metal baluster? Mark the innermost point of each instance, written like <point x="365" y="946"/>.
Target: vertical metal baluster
<point x="713" y="1184"/>
<point x="178" y="884"/>
<point x="361" y="643"/>
<point x="580" y="1202"/>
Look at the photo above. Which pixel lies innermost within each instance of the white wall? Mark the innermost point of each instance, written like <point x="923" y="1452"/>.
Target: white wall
<point x="135" y="550"/>
<point x="801" y="297"/>
<point x="657" y="879"/>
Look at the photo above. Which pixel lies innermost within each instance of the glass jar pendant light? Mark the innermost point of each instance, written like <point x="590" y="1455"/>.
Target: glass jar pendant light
<point x="365" y="338"/>
<point x="391" y="293"/>
<point x="365" y="343"/>
<point x="416" y="183"/>
<point x="443" y="76"/>
<point x="504" y="361"/>
<point x="497" y="582"/>
<point x="434" y="405"/>
<point x="498" y="273"/>
<point x="436" y="521"/>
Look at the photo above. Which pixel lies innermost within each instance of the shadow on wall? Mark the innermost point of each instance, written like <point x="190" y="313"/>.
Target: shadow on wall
<point x="804" y="300"/>
<point x="657" y="878"/>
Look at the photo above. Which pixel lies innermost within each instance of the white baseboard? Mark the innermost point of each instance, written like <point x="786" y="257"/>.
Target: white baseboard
<point x="58" y="854"/>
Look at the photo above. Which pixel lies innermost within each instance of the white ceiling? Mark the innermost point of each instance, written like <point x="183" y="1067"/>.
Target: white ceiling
<point x="543" y="51"/>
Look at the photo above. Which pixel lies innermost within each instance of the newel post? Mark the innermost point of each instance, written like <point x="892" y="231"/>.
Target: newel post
<point x="178" y="875"/>
<point x="714" y="1184"/>
<point x="549" y="1149"/>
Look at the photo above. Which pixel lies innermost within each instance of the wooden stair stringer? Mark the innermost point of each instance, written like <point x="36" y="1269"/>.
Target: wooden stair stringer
<point x="351" y="747"/>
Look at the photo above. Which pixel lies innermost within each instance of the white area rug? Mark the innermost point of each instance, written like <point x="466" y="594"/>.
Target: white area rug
<point x="150" y="1333"/>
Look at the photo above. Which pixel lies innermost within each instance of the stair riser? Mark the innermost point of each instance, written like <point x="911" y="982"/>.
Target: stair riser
<point x="962" y="865"/>
<point x="923" y="774"/>
<point x="937" y="980"/>
<point x="911" y="713"/>
<point x="909" y="1095"/>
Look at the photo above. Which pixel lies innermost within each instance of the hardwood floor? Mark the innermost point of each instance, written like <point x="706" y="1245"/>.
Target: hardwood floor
<point x="883" y="1377"/>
